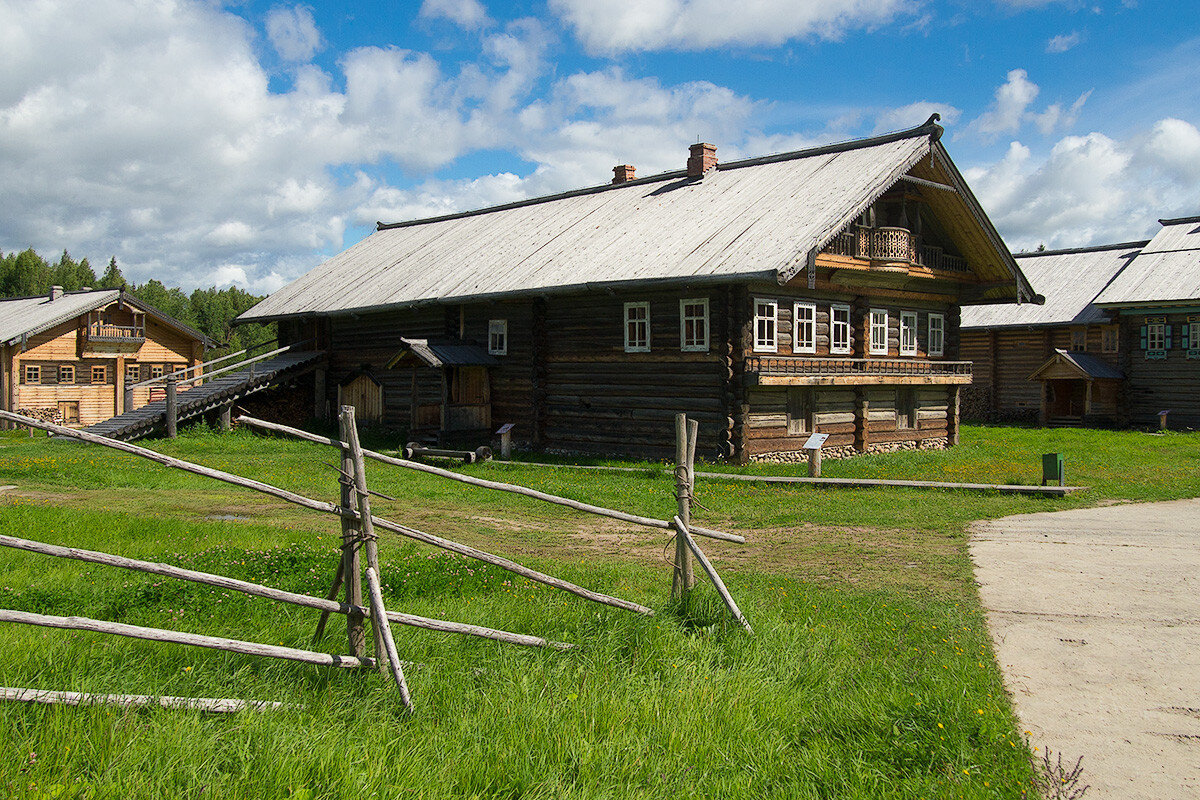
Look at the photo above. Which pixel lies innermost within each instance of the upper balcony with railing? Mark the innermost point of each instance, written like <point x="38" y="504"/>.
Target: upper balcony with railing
<point x="104" y="332"/>
<point x="893" y="248"/>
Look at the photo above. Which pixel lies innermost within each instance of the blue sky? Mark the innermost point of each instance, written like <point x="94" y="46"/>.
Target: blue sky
<point x="208" y="143"/>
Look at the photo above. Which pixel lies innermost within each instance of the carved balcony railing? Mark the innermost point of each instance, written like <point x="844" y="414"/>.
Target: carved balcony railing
<point x="101" y="332"/>
<point x="893" y="245"/>
<point x="858" y="368"/>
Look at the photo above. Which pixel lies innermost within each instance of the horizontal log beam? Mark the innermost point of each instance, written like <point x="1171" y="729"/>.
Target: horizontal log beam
<point x="256" y="590"/>
<point x="330" y="508"/>
<point x="178" y="637"/>
<point x="496" y="485"/>
<point x="222" y="705"/>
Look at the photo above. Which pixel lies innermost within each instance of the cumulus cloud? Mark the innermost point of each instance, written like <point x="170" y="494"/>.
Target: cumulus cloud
<point x="641" y="25"/>
<point x="1063" y="42"/>
<point x="469" y="14"/>
<point x="1011" y="109"/>
<point x="293" y="33"/>
<point x="1091" y="189"/>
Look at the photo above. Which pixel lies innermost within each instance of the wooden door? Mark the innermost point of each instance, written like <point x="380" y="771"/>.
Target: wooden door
<point x="470" y="406"/>
<point x="365" y="395"/>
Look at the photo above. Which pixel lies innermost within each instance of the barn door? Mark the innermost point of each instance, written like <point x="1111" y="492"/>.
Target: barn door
<point x="365" y="395"/>
<point x="470" y="406"/>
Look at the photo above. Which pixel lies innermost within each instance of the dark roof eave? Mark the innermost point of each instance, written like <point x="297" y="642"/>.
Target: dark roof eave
<point x="575" y="288"/>
<point x="1097" y="248"/>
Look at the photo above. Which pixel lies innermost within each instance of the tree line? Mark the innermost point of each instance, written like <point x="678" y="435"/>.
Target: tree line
<point x="210" y="311"/>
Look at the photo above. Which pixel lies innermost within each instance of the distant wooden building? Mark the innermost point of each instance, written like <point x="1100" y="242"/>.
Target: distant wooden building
<point x="68" y="356"/>
<point x="769" y="298"/>
<point x="1117" y="341"/>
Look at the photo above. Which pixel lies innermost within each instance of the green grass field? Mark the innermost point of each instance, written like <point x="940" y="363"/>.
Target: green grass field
<point x="870" y="674"/>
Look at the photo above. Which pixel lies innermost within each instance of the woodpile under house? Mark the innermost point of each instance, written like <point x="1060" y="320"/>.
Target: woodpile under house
<point x="768" y="298"/>
<point x="1116" y="343"/>
<point x="67" y="357"/>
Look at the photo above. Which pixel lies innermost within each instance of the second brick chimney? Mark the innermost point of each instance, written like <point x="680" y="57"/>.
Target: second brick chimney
<point x="55" y="293"/>
<point x="703" y="158"/>
<point x="623" y="173"/>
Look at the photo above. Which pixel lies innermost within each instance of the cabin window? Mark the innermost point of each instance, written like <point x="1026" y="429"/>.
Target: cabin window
<point x="1110" y="339"/>
<point x="693" y="325"/>
<point x="906" y="408"/>
<point x="804" y="337"/>
<point x="1192" y="343"/>
<point x="936" y="345"/>
<point x="132" y="373"/>
<point x="637" y="327"/>
<point x="879" y="332"/>
<point x="156" y="371"/>
<point x="66" y="373"/>
<point x="1156" y="336"/>
<point x="1079" y="340"/>
<point x="839" y="330"/>
<point x="498" y="337"/>
<point x="908" y="333"/>
<point x="68" y="412"/>
<point x="99" y="373"/>
<point x="766" y="315"/>
<point x="33" y="373"/>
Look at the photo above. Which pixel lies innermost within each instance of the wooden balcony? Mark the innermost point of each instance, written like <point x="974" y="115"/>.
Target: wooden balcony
<point x="892" y="248"/>
<point x="800" y="371"/>
<point x="100" y="332"/>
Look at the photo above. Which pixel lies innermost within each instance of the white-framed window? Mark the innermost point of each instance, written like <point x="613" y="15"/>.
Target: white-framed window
<point x="66" y="373"/>
<point x="839" y="330"/>
<point x="936" y="345"/>
<point x="693" y="325"/>
<point x="804" y="328"/>
<point x="908" y="333"/>
<point x="637" y="327"/>
<point x="766" y="318"/>
<point x="879" y="332"/>
<point x="498" y="337"/>
<point x="33" y="373"/>
<point x="1156" y="336"/>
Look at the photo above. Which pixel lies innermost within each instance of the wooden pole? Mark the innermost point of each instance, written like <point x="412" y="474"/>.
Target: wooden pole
<point x="178" y="637"/>
<point x="327" y="606"/>
<point x="707" y="566"/>
<point x="128" y="398"/>
<point x="330" y="596"/>
<point x="221" y="705"/>
<point x="383" y="632"/>
<point x="226" y="417"/>
<point x="681" y="576"/>
<point x="352" y="455"/>
<point x="496" y="485"/>
<point x="329" y="508"/>
<point x="356" y="632"/>
<point x="172" y="409"/>
<point x="814" y="462"/>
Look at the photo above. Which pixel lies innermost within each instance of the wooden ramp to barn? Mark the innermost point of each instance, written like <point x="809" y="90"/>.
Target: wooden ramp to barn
<point x="206" y="397"/>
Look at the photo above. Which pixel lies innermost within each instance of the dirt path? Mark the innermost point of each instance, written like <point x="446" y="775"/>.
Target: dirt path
<point x="1095" y="615"/>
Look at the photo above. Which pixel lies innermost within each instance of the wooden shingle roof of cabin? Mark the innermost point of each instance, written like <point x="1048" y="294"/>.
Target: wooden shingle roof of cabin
<point x="1069" y="279"/>
<point x="29" y="316"/>
<point x="757" y="219"/>
<point x="1166" y="271"/>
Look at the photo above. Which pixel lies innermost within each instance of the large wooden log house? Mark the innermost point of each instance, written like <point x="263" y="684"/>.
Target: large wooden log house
<point x="816" y="290"/>
<point x="1117" y="342"/>
<point x="68" y="356"/>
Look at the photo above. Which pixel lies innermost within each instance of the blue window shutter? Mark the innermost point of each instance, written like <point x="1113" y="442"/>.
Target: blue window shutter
<point x="1166" y="337"/>
<point x="1185" y="336"/>
<point x="1143" y="337"/>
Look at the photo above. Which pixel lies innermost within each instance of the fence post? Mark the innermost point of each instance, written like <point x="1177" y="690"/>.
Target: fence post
<point x="351" y="569"/>
<point x="226" y="417"/>
<point x="172" y="409"/>
<point x="128" y="399"/>
<point x="682" y="578"/>
<point x="814" y="462"/>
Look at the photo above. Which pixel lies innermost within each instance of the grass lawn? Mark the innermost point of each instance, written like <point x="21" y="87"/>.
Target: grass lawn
<point x="870" y="674"/>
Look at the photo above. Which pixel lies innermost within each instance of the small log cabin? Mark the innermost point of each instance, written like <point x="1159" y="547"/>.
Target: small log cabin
<point x="67" y="356"/>
<point x="1117" y="341"/>
<point x="768" y="298"/>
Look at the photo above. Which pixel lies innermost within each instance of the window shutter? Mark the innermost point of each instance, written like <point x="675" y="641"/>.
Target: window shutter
<point x="1166" y="337"/>
<point x="1185" y="336"/>
<point x="1143" y="337"/>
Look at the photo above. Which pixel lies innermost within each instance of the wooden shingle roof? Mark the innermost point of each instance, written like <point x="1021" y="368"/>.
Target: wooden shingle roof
<point x="1166" y="271"/>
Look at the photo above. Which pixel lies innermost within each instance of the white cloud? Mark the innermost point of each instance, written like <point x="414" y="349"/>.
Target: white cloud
<point x="293" y="33"/>
<point x="469" y="14"/>
<point x="1091" y="189"/>
<point x="1063" y="42"/>
<point x="641" y="25"/>
<point x="1011" y="109"/>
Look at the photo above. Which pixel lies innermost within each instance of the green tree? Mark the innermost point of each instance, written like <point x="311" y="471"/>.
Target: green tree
<point x="112" y="278"/>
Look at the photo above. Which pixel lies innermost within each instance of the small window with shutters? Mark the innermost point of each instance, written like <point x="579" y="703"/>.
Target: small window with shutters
<point x="1156" y="338"/>
<point x="1191" y="337"/>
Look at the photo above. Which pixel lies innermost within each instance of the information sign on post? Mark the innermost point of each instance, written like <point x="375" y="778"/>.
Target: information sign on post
<point x="815" y="441"/>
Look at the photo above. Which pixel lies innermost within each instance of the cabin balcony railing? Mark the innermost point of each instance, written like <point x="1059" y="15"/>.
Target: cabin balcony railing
<point x="857" y="370"/>
<point x="99" y="331"/>
<point x="893" y="245"/>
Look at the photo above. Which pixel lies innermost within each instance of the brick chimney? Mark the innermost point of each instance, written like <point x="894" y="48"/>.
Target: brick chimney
<point x="55" y="293"/>
<point x="623" y="173"/>
<point x="703" y="158"/>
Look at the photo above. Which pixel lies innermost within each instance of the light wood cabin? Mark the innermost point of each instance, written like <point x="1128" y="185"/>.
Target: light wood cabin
<point x="69" y="356"/>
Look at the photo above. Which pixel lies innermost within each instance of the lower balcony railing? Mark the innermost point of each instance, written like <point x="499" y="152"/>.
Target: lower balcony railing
<point x="788" y="366"/>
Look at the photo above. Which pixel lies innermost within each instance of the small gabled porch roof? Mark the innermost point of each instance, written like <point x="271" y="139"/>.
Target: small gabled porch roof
<point x="442" y="353"/>
<point x="1070" y="364"/>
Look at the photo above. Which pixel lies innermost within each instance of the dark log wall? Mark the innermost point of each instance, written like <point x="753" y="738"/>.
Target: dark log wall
<point x="1168" y="384"/>
<point x="512" y="378"/>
